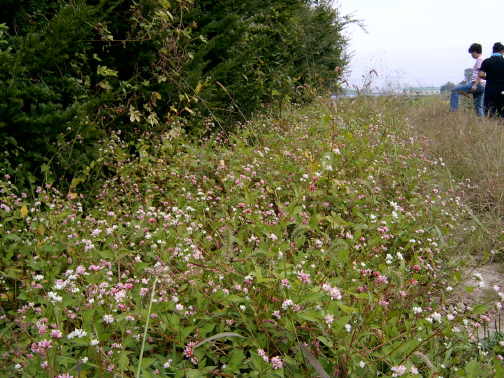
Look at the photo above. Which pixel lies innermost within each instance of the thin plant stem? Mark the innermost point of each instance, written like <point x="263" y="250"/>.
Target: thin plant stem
<point x="145" y="329"/>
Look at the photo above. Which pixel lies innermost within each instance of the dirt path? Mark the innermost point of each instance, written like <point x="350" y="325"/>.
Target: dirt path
<point x="485" y="280"/>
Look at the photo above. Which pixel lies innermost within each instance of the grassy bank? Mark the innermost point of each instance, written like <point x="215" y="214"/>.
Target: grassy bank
<point x="323" y="243"/>
<point x="471" y="150"/>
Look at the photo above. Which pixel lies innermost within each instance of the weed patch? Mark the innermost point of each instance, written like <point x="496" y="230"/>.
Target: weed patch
<point x="322" y="243"/>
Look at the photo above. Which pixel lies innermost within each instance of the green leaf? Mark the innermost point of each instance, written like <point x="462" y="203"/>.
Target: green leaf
<point x="104" y="84"/>
<point x="473" y="369"/>
<point x="12" y="237"/>
<point x="15" y="274"/>
<point x="469" y="289"/>
<point x="206" y="329"/>
<point x="361" y="295"/>
<point x="146" y="362"/>
<point x="234" y="298"/>
<point x="347" y="309"/>
<point x="499" y="368"/>
<point x="480" y="309"/>
<point x="324" y="340"/>
<point x="236" y="358"/>
<point x="184" y="332"/>
<point x="343" y="255"/>
<point x="311" y="316"/>
<point x="193" y="373"/>
<point x="123" y="361"/>
<point x="106" y="72"/>
<point x="457" y="275"/>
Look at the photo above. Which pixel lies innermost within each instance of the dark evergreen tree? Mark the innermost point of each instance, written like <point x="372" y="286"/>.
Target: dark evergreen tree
<point x="72" y="71"/>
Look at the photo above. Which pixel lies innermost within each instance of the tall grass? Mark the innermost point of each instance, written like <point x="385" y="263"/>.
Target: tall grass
<point x="471" y="149"/>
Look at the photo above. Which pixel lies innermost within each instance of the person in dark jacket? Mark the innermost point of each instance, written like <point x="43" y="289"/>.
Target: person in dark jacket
<point x="492" y="69"/>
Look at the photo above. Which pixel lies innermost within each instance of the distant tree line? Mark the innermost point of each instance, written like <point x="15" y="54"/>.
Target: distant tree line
<point x="449" y="85"/>
<point x="72" y="72"/>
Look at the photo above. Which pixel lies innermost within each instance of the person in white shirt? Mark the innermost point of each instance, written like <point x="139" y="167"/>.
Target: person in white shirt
<point x="476" y="87"/>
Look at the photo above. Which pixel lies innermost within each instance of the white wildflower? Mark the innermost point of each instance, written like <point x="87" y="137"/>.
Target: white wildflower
<point x="53" y="297"/>
<point x="109" y="319"/>
<point x="77" y="333"/>
<point x="417" y="310"/>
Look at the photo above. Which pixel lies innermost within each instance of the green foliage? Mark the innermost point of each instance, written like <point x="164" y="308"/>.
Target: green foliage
<point x="263" y="255"/>
<point x="264" y="52"/>
<point x="72" y="72"/>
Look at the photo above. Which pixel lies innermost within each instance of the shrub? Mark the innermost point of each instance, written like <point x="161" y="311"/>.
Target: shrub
<point x="72" y="72"/>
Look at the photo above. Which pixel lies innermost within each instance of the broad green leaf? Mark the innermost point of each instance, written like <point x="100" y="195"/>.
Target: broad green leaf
<point x="324" y="340"/>
<point x="123" y="361"/>
<point x="473" y="369"/>
<point x="480" y="309"/>
<point x="347" y="309"/>
<point x="236" y="358"/>
<point x="311" y="316"/>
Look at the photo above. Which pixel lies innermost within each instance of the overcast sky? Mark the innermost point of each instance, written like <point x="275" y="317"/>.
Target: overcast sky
<point x="420" y="42"/>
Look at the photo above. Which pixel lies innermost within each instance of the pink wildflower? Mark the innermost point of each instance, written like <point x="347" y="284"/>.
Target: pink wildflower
<point x="285" y="283"/>
<point x="333" y="292"/>
<point x="42" y="328"/>
<point x="41" y="347"/>
<point x="276" y="363"/>
<point x="56" y="334"/>
<point x="329" y="319"/>
<point x="189" y="352"/>
<point x="263" y="354"/>
<point x="398" y="370"/>
<point x="304" y="277"/>
<point x="381" y="279"/>
<point x="287" y="303"/>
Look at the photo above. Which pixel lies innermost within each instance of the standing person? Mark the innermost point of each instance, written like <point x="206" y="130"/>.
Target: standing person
<point x="476" y="86"/>
<point x="492" y="69"/>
